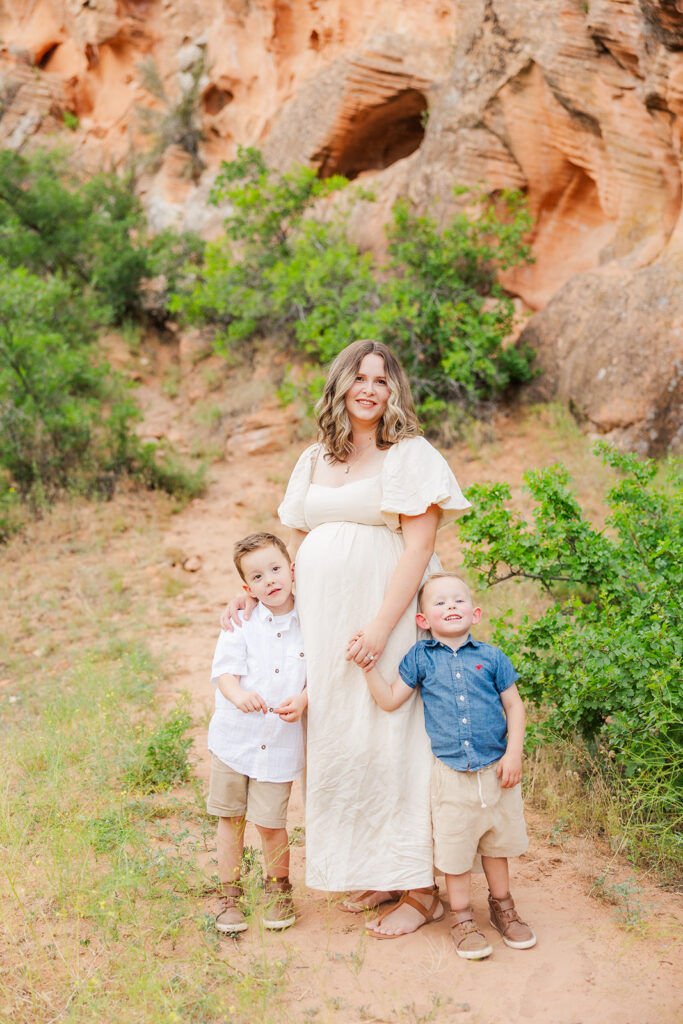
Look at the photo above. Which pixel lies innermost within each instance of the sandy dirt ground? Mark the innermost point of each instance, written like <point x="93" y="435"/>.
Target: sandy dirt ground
<point x="586" y="966"/>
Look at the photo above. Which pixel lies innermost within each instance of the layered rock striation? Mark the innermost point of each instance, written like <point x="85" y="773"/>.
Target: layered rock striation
<point x="578" y="102"/>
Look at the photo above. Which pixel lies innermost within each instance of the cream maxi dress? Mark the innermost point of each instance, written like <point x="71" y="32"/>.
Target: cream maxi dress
<point x="367" y="791"/>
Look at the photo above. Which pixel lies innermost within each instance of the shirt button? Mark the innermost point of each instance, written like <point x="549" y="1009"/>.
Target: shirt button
<point x="462" y="698"/>
<point x="270" y="618"/>
<point x="279" y="635"/>
<point x="263" y="746"/>
<point x="467" y="743"/>
<point x="270" y="709"/>
<point x="464" y="719"/>
<point x="457" y="675"/>
<point x="301" y="654"/>
<point x="277" y="669"/>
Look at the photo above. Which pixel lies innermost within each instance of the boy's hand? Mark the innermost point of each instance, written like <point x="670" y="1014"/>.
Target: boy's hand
<point x="249" y="700"/>
<point x="509" y="771"/>
<point x="230" y="615"/>
<point x="292" y="708"/>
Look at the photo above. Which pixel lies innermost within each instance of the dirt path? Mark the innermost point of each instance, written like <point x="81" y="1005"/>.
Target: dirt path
<point x="585" y="968"/>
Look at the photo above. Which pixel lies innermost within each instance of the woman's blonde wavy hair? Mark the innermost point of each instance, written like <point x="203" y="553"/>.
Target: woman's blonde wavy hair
<point x="334" y="427"/>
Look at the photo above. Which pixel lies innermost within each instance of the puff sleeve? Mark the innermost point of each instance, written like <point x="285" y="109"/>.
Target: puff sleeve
<point x="415" y="476"/>
<point x="291" y="510"/>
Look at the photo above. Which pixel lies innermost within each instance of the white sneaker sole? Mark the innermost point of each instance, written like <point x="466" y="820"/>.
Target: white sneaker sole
<point x="475" y="954"/>
<point x="232" y="929"/>
<point x="277" y="926"/>
<point x="527" y="944"/>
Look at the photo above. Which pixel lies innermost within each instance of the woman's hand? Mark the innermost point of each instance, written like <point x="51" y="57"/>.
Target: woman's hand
<point x="230" y="616"/>
<point x="366" y="646"/>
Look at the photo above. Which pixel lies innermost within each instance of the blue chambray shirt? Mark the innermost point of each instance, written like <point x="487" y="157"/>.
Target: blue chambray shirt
<point x="461" y="691"/>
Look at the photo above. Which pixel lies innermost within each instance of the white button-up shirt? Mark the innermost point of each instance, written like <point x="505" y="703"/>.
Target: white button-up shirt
<point x="267" y="655"/>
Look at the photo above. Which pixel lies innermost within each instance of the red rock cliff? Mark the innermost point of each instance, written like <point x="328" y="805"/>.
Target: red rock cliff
<point x="578" y="103"/>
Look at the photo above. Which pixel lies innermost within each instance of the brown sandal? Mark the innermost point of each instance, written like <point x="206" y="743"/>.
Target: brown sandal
<point x="427" y="912"/>
<point x="358" y="905"/>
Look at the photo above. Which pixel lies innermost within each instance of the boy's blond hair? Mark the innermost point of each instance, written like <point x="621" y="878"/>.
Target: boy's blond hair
<point x="254" y="542"/>
<point x="441" y="576"/>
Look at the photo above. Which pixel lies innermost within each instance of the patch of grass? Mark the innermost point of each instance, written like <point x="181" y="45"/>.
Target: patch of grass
<point x="162" y="762"/>
<point x="583" y="791"/>
<point x="132" y="332"/>
<point x="208" y="414"/>
<point x="212" y="377"/>
<point x="162" y="469"/>
<point x="170" y="384"/>
<point x="625" y="896"/>
<point x="174" y="586"/>
<point x="98" y="888"/>
<point x="558" y="833"/>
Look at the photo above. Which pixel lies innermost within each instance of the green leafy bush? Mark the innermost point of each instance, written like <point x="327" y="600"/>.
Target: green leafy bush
<point x="93" y="234"/>
<point x="164" y="762"/>
<point x="436" y="300"/>
<point x="11" y="516"/>
<point x="231" y="290"/>
<point x="604" y="661"/>
<point x="66" y="420"/>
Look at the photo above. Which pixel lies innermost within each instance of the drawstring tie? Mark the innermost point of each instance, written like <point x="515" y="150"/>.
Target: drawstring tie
<point x="481" y="795"/>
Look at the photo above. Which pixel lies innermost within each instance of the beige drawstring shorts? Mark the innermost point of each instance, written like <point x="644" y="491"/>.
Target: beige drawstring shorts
<point x="472" y="814"/>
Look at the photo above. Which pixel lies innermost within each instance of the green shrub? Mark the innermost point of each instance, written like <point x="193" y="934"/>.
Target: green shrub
<point x="11" y="517"/>
<point x="604" y="661"/>
<point x="93" y="234"/>
<point x="267" y="209"/>
<point x="161" y="469"/>
<point x="179" y="122"/>
<point x="164" y="763"/>
<point x="436" y="301"/>
<point x="66" y="420"/>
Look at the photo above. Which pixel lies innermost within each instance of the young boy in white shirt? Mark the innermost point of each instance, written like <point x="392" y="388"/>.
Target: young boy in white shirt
<point x="256" y="734"/>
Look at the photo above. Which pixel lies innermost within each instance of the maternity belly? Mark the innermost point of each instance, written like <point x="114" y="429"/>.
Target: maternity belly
<point x="368" y="770"/>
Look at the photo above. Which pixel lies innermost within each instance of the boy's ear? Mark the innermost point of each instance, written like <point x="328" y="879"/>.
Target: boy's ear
<point x="245" y="588"/>
<point x="476" y="615"/>
<point x="421" y="621"/>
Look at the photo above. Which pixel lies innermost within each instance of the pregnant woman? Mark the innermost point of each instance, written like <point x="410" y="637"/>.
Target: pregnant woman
<point x="364" y="505"/>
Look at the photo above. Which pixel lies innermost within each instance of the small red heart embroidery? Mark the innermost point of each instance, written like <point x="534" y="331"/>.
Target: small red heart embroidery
<point x="480" y="666"/>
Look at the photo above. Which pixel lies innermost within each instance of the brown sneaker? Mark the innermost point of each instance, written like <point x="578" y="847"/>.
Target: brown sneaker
<point x="230" y="918"/>
<point x="280" y="907"/>
<point x="505" y="919"/>
<point x="470" y="944"/>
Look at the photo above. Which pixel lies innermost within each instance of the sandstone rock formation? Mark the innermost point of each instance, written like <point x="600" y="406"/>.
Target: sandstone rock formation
<point x="578" y="102"/>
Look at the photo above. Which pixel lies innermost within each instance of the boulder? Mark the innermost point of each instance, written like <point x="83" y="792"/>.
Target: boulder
<point x="610" y="345"/>
<point x="269" y="429"/>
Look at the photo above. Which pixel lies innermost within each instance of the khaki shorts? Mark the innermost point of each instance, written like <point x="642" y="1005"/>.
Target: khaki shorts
<point x="233" y="795"/>
<point x="462" y="827"/>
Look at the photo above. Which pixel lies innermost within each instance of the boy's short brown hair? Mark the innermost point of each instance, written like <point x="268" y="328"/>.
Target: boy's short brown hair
<point x="254" y="542"/>
<point x="441" y="576"/>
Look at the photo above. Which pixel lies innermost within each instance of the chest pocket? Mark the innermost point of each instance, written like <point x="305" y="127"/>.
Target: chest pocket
<point x="295" y="664"/>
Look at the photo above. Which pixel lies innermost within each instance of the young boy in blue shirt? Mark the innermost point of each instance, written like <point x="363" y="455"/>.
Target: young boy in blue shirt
<point x="475" y="719"/>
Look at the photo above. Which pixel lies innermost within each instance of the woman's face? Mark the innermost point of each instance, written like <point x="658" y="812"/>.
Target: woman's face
<point x="366" y="399"/>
